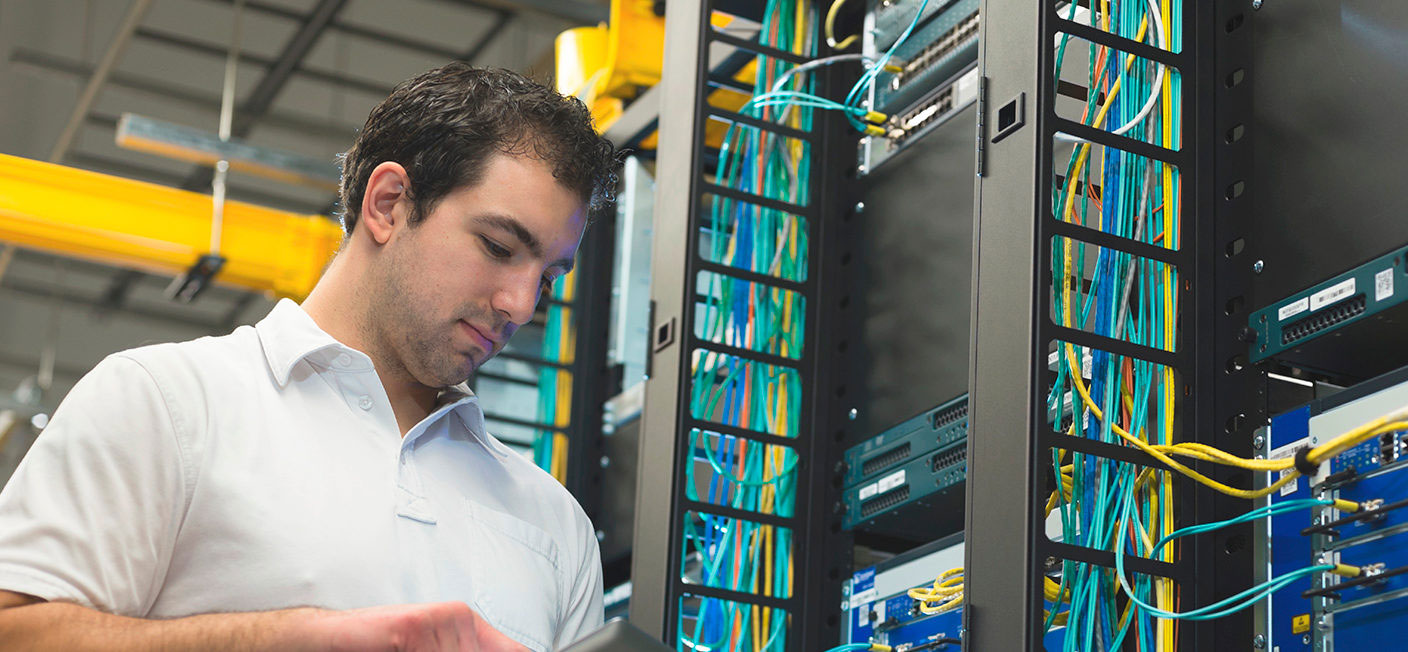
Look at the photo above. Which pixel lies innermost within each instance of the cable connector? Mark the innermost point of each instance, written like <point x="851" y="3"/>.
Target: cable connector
<point x="874" y="130"/>
<point x="875" y="117"/>
<point x="1345" y="570"/>
<point x="1352" y="507"/>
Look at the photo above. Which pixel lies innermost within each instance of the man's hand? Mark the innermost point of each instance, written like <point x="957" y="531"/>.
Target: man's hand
<point x="29" y="623"/>
<point x="437" y="627"/>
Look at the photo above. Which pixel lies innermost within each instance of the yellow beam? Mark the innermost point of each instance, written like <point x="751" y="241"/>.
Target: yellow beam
<point x="157" y="229"/>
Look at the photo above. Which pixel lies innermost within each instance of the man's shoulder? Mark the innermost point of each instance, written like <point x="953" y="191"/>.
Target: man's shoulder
<point x="238" y="344"/>
<point x="198" y="361"/>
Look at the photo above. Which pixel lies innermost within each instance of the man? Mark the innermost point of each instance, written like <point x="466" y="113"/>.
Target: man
<point x="323" y="480"/>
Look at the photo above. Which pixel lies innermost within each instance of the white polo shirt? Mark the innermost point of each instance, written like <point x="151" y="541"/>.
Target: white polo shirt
<point x="265" y="470"/>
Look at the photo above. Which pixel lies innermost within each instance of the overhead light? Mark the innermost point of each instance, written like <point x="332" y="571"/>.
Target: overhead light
<point x="195" y="146"/>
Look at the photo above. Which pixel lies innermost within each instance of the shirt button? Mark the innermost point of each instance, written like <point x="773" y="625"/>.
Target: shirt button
<point x="365" y="402"/>
<point x="344" y="360"/>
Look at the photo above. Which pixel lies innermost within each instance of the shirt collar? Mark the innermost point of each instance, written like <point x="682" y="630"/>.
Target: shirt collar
<point x="288" y="335"/>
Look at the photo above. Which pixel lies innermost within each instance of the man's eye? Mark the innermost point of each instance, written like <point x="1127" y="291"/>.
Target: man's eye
<point x="495" y="249"/>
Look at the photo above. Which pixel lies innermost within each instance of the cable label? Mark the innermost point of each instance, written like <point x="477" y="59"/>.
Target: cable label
<point x="863" y="586"/>
<point x="869" y="490"/>
<point x="1288" y="450"/>
<point x="1292" y="309"/>
<point x="1383" y="284"/>
<point x="891" y="481"/>
<point x="1327" y="296"/>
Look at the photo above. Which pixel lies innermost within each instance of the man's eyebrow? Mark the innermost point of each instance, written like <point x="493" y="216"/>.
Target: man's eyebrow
<point x="515" y="227"/>
<point x="525" y="236"/>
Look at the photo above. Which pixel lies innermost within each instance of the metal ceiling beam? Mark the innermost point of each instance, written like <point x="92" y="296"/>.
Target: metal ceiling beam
<point x="275" y="78"/>
<point x="46" y="291"/>
<point x="352" y="29"/>
<point x="207" y="101"/>
<point x="217" y="50"/>
<point x="583" y="13"/>
<point x="98" y="78"/>
<point x="500" y="22"/>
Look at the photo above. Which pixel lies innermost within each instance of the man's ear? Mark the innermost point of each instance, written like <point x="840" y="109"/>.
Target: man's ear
<point x="385" y="204"/>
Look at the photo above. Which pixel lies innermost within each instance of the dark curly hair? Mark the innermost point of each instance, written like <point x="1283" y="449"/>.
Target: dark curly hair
<point x="443" y="125"/>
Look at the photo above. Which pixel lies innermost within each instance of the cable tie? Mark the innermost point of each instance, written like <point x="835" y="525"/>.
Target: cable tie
<point x="1303" y="463"/>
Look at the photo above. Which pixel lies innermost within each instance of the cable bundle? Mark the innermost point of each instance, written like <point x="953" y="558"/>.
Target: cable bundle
<point x="1101" y="503"/>
<point x="738" y="554"/>
<point x="554" y="383"/>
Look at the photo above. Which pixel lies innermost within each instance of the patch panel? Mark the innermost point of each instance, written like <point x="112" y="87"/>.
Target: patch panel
<point x="935" y="51"/>
<point x="1374" y="294"/>
<point x="932" y="484"/>
<point x="914" y="438"/>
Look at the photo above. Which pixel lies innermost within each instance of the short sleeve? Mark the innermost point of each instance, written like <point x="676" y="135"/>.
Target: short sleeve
<point x="584" y="611"/>
<point x="91" y="513"/>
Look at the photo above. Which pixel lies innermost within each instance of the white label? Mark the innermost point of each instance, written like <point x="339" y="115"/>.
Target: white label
<point x="1383" y="284"/>
<point x="869" y="490"/>
<point x="891" y="481"/>
<point x="1292" y="309"/>
<point x="1331" y="294"/>
<point x="1289" y="450"/>
<point x="879" y="610"/>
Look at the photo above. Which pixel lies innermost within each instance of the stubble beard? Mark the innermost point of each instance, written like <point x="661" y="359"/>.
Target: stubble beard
<point x="414" y="340"/>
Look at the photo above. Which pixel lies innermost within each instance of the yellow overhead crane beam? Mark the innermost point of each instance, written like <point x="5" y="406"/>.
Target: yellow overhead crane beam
<point x="157" y="229"/>
<point x="608" y="65"/>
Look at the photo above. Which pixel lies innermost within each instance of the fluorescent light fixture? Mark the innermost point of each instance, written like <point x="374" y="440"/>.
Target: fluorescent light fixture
<point x="193" y="145"/>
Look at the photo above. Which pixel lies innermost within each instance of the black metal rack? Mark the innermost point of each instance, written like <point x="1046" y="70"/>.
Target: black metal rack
<point x="1007" y="557"/>
<point x="819" y="548"/>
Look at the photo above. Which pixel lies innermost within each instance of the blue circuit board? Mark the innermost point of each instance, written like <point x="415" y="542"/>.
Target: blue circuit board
<point x="897" y="621"/>
<point x="1289" y="549"/>
<point x="1381" y="473"/>
<point x="1371" y="626"/>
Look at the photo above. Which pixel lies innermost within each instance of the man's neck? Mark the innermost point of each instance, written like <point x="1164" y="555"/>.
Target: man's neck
<point x="334" y="306"/>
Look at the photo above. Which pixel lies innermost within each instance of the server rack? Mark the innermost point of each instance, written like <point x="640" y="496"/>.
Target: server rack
<point x="1222" y="400"/>
<point x="1014" y="228"/>
<point x="820" y="548"/>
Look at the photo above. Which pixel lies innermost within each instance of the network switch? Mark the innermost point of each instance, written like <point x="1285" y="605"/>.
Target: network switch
<point x="1372" y="297"/>
<point x="1326" y="612"/>
<point x="934" y="428"/>
<point x="936" y="51"/>
<point x="931" y="484"/>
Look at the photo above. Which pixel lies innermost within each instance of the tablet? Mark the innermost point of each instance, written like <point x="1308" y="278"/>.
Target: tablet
<point x="618" y="636"/>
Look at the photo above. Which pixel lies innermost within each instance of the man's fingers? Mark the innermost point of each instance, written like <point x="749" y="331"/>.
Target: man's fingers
<point x="478" y="635"/>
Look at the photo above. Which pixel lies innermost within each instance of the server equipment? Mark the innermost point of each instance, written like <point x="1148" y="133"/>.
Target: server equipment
<point x="1348" y="519"/>
<point x="915" y="467"/>
<point x="1365" y="309"/>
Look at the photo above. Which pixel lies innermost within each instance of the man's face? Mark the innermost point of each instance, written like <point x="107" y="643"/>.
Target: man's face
<point x="460" y="282"/>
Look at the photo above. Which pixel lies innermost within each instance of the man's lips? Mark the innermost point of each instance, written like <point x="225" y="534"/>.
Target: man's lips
<point x="484" y="341"/>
